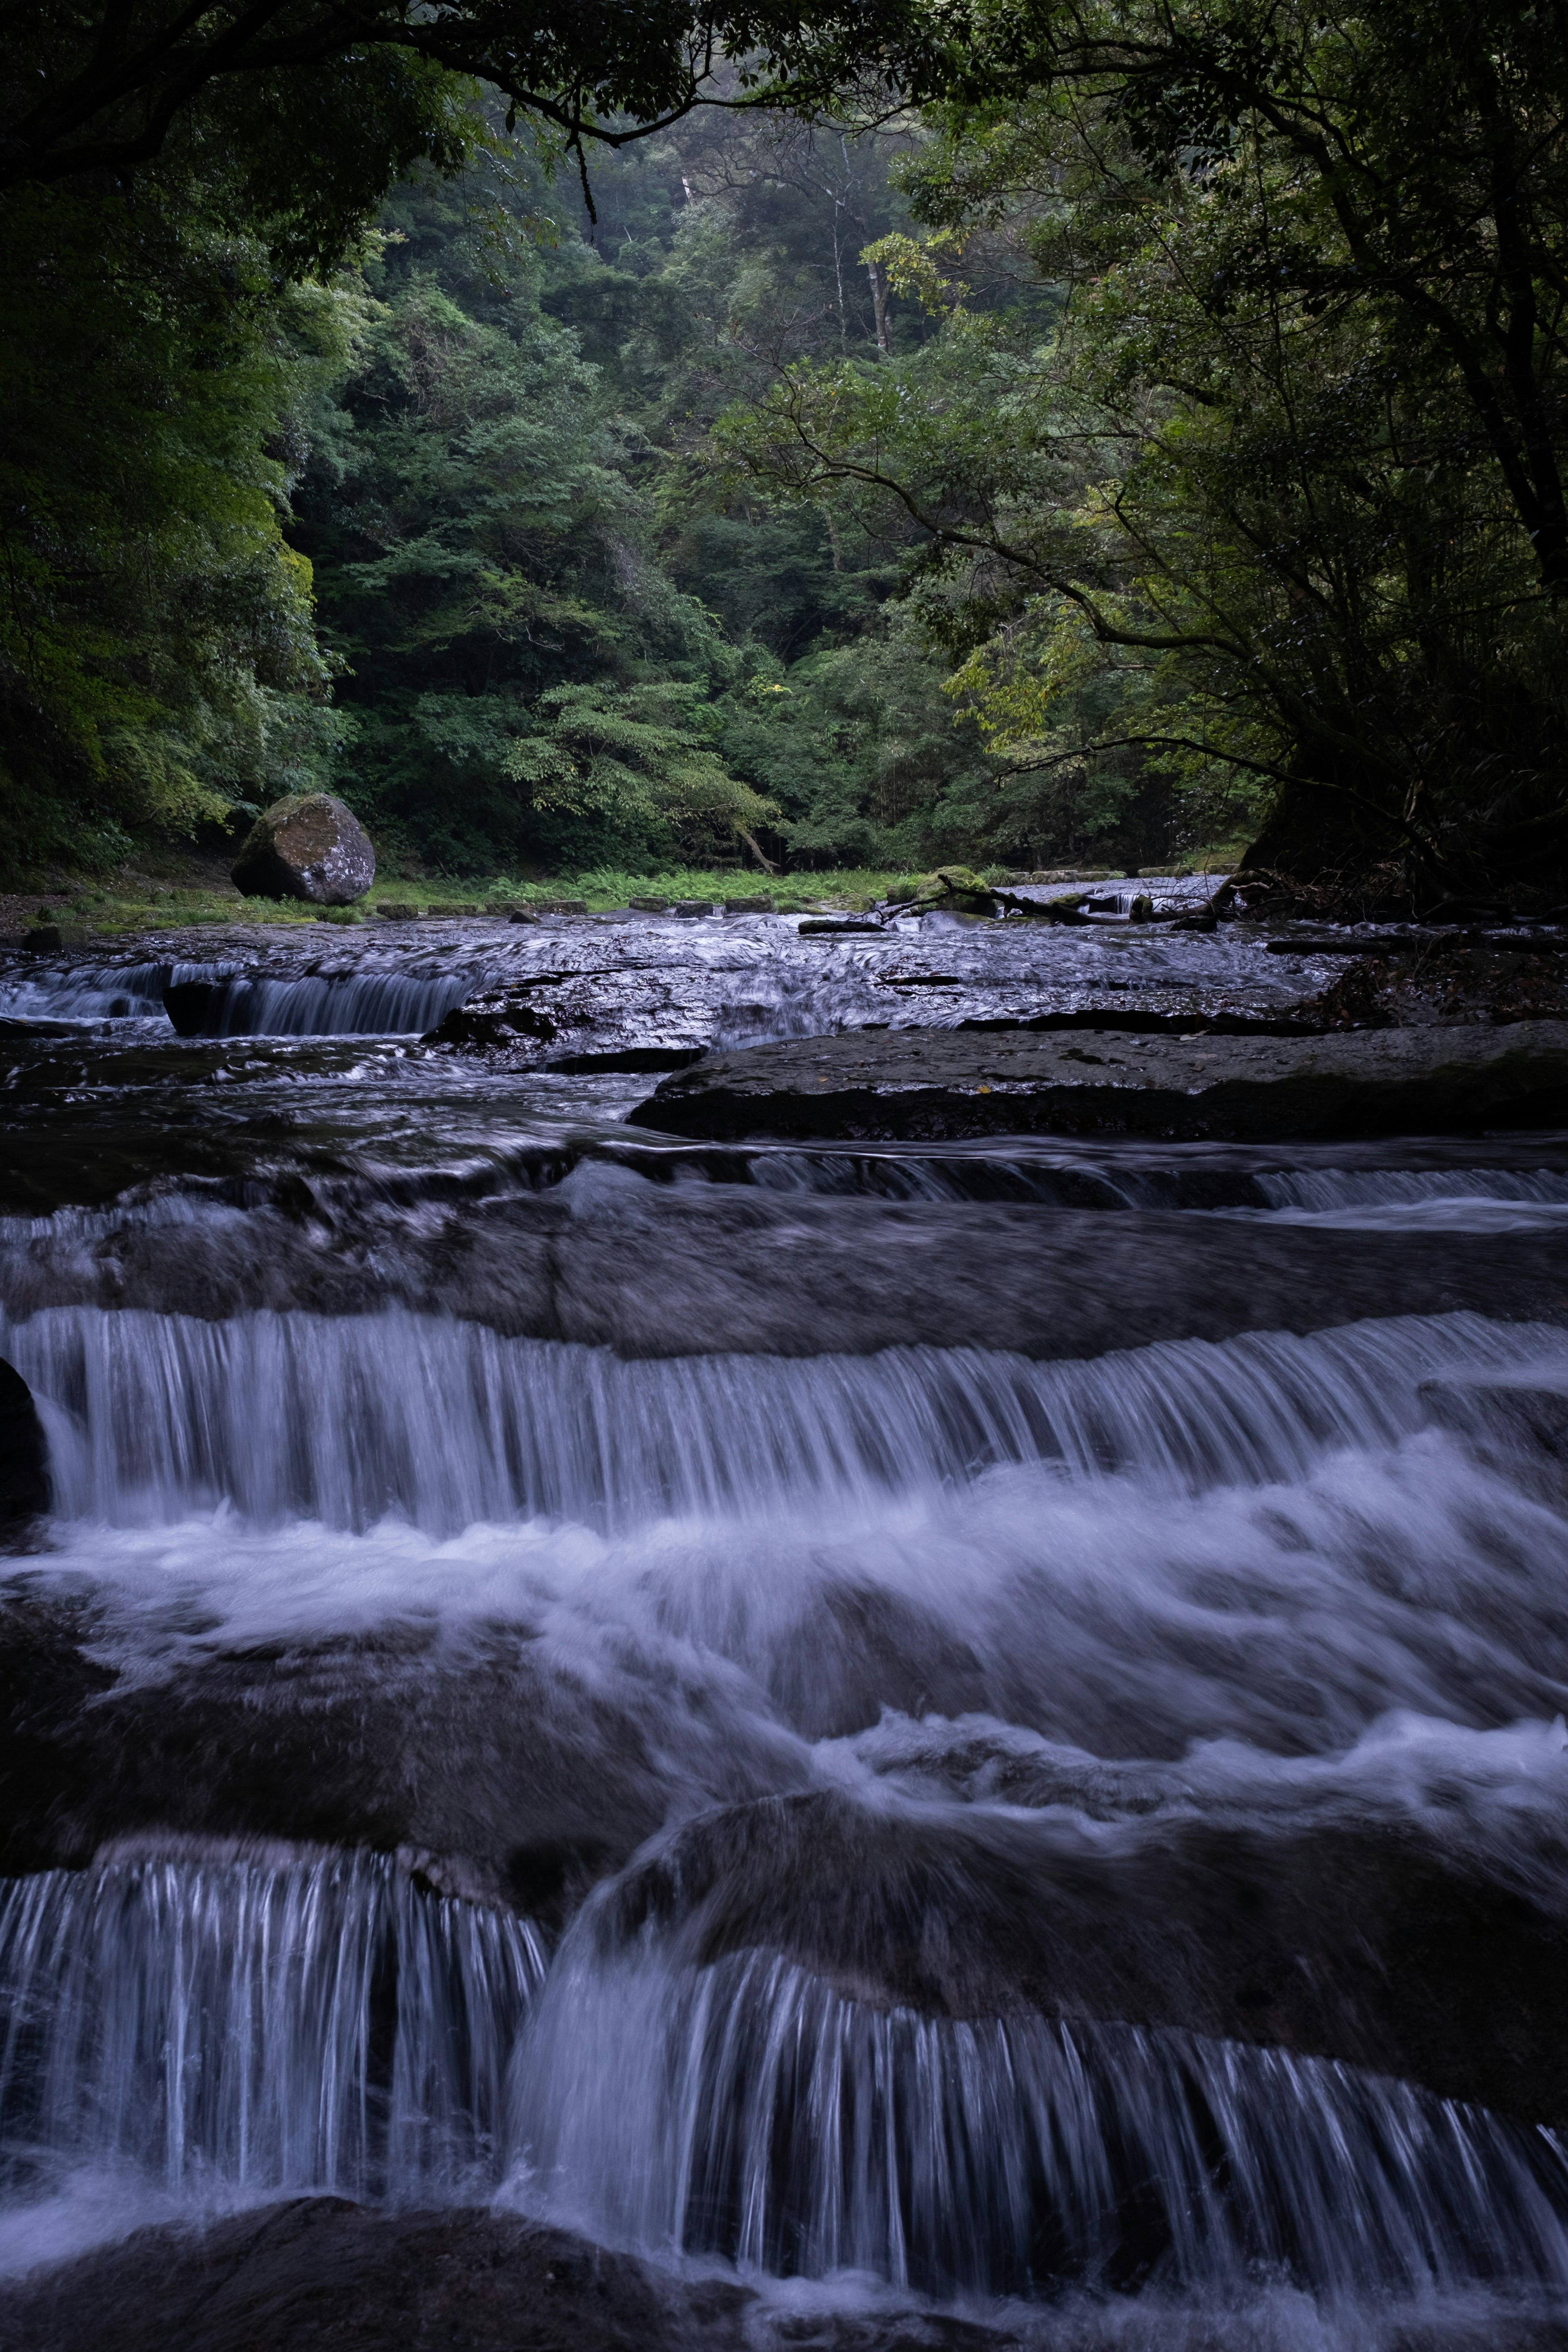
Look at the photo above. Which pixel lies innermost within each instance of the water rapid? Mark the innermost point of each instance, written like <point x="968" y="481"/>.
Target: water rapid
<point x="1067" y="1850"/>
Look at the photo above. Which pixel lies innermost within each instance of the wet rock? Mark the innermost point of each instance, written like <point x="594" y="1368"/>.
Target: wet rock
<point x="1518" y="1426"/>
<point x="24" y="1461"/>
<point x="43" y="939"/>
<point x="632" y="1014"/>
<point x="1364" y="1942"/>
<point x="311" y="845"/>
<point x="949" y="1085"/>
<point x="529" y="1784"/>
<point x="611" y="1260"/>
<point x="320" y="2271"/>
<point x="1449" y="987"/>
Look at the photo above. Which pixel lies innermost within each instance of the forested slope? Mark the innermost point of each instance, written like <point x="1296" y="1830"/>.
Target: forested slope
<point x="1033" y="433"/>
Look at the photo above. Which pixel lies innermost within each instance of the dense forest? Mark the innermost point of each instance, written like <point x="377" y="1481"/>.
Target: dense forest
<point x="1098" y="432"/>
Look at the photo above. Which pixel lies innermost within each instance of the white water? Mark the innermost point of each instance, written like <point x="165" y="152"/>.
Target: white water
<point x="395" y="1000"/>
<point x="346" y="1419"/>
<point x="241" y="2026"/>
<point x="1245" y="1582"/>
<point x="747" y="2109"/>
<point x="186" y="2034"/>
<point x="401" y="1002"/>
<point x="85" y="992"/>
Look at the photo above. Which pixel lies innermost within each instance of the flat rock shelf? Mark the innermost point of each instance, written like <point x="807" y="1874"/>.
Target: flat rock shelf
<point x="926" y="1086"/>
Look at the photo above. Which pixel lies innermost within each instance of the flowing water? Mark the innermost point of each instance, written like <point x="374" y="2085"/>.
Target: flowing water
<point x="1080" y="1841"/>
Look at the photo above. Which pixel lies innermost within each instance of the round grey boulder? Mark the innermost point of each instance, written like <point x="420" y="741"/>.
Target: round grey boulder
<point x="309" y="845"/>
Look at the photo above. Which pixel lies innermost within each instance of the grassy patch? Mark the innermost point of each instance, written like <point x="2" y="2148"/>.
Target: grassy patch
<point x="137" y="903"/>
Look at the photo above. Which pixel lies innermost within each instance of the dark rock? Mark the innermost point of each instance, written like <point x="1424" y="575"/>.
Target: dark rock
<point x="1364" y="1942"/>
<point x="1519" y="1425"/>
<point x="319" y="2271"/>
<point x="311" y="845"/>
<point x="533" y="1783"/>
<point x="1449" y="987"/>
<point x="626" y="1016"/>
<point x="23" y="1460"/>
<point x="649" y="906"/>
<point x="692" y="907"/>
<point x="825" y="925"/>
<point x="651" y="1270"/>
<point x="43" y="939"/>
<point x="748" y="906"/>
<point x="933" y="1085"/>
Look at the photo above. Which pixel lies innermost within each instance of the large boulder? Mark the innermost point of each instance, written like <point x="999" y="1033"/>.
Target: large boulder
<point x="309" y="845"/>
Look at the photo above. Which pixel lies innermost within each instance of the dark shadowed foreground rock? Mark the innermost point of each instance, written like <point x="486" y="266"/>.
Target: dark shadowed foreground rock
<point x="313" y="2273"/>
<point x="24" y="1459"/>
<point x="945" y="1085"/>
<point x="318" y="2271"/>
<point x="1444" y="987"/>
<point x="308" y="846"/>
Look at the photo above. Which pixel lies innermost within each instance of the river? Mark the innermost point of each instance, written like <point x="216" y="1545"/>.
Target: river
<point x="1067" y="1845"/>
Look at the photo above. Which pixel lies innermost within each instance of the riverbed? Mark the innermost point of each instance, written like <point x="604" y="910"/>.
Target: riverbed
<point x="876" y="1741"/>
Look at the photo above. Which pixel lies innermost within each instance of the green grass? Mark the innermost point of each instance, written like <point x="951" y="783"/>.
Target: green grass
<point x="112" y="909"/>
<point x="141" y="904"/>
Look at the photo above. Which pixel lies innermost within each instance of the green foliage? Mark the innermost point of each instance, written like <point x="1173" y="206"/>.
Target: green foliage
<point x="633" y="765"/>
<point x="1273" y="510"/>
<point x="157" y="653"/>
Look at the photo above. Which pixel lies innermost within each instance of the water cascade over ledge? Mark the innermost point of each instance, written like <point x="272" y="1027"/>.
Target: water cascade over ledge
<point x="248" y="2025"/>
<point x="941" y="1829"/>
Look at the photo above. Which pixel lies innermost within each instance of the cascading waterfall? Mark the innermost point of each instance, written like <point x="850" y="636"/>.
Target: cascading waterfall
<point x="250" y="2025"/>
<point x="748" y="2109"/>
<point x="86" y="993"/>
<point x="246" y="2026"/>
<point x="938" y="1612"/>
<point x="1484" y="1200"/>
<point x="222" y="1001"/>
<point x="203" y="1003"/>
<point x="449" y="1423"/>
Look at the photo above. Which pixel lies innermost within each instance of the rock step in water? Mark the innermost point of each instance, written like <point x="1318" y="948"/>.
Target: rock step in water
<point x="947" y="1084"/>
<point x="606" y="1259"/>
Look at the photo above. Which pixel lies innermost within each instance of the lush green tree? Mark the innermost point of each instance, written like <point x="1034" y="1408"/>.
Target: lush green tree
<point x="158" y="659"/>
<point x="634" y="774"/>
<point x="508" y="532"/>
<point x="479" y="540"/>
<point x="93" y="89"/>
<point x="1279" y="494"/>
